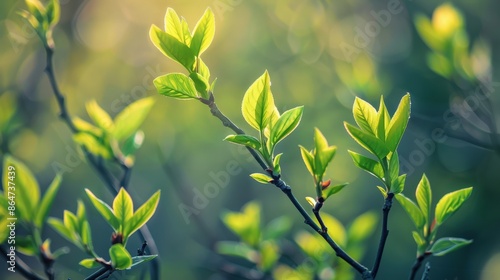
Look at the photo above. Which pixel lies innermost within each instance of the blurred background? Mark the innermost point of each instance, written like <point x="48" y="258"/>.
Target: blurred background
<point x="320" y="54"/>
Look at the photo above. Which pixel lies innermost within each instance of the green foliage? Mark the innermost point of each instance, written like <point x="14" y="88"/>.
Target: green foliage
<point x="427" y="229"/>
<point x="42" y="19"/>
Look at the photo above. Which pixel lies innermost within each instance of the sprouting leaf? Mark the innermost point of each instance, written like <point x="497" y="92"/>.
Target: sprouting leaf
<point x="365" y="116"/>
<point x="53" y="12"/>
<point x="269" y="255"/>
<point x="203" y="33"/>
<point x="371" y="166"/>
<point x="276" y="163"/>
<point x="27" y="189"/>
<point x="100" y="117"/>
<point x="201" y="84"/>
<point x="104" y="209"/>
<point x="286" y="123"/>
<point x="382" y="120"/>
<point x="132" y="143"/>
<point x="128" y="121"/>
<point x="46" y="203"/>
<point x="86" y="235"/>
<point x="172" y="47"/>
<point x="367" y="141"/>
<point x="398" y="185"/>
<point x="89" y="263"/>
<point x="258" y="103"/>
<point x="176" y="85"/>
<point x="333" y="190"/>
<point x="174" y="27"/>
<point x="383" y="191"/>
<point x="421" y="243"/>
<point x="83" y="126"/>
<point x="277" y="228"/>
<point x="120" y="257"/>
<point x="424" y="197"/>
<point x="204" y="71"/>
<point x="59" y="226"/>
<point x="398" y="123"/>
<point x="142" y="215"/>
<point x="92" y="144"/>
<point x="308" y="159"/>
<point x="412" y="210"/>
<point x="394" y="165"/>
<point x="311" y="201"/>
<point x="450" y="203"/>
<point x="70" y="221"/>
<point x="123" y="206"/>
<point x="245" y="140"/>
<point x="261" y="178"/>
<point x="323" y="153"/>
<point x="140" y="259"/>
<point x="236" y="249"/>
<point x="446" y="245"/>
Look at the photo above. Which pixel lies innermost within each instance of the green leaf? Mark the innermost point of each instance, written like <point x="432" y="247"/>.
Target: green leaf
<point x="201" y="84"/>
<point x="100" y="117"/>
<point x="450" y="203"/>
<point x="311" y="201"/>
<point x="245" y="224"/>
<point x="142" y="215"/>
<point x="86" y="235"/>
<point x="27" y="192"/>
<point x="203" y="33"/>
<point x="204" y="71"/>
<point x="446" y="245"/>
<point x="277" y="228"/>
<point x="89" y="263"/>
<point x="236" y="249"/>
<point x="308" y="159"/>
<point x="424" y="197"/>
<point x="120" y="257"/>
<point x="371" y="166"/>
<point x="261" y="178"/>
<point x="362" y="227"/>
<point x="71" y="222"/>
<point x="412" y="210"/>
<point x="174" y="27"/>
<point x="398" y="123"/>
<point x="394" y="166"/>
<point x="258" y="103"/>
<point x="368" y="141"/>
<point x="381" y="120"/>
<point x="398" y="185"/>
<point x="128" y="121"/>
<point x="81" y="216"/>
<point x="59" y="226"/>
<point x="276" y="164"/>
<point x="26" y="245"/>
<point x="286" y="123"/>
<point x="333" y="190"/>
<point x="176" y="85"/>
<point x="53" y="12"/>
<point x="123" y="207"/>
<point x="172" y="47"/>
<point x="133" y="143"/>
<point x="93" y="145"/>
<point x="104" y="209"/>
<point x="140" y="259"/>
<point x="323" y="153"/>
<point x="245" y="140"/>
<point x="421" y="243"/>
<point x="269" y="255"/>
<point x="47" y="201"/>
<point x="365" y="115"/>
<point x="83" y="126"/>
<point x="36" y="8"/>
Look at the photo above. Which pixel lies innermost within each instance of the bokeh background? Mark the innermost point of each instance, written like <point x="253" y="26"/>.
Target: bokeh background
<point x="316" y="57"/>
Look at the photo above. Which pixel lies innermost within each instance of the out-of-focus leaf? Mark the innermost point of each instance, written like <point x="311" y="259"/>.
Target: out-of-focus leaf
<point x="245" y="224"/>
<point x="269" y="255"/>
<point x="47" y="201"/>
<point x="277" y="228"/>
<point x="89" y="263"/>
<point x="128" y="121"/>
<point x="140" y="259"/>
<point x="236" y="249"/>
<point x="100" y="117"/>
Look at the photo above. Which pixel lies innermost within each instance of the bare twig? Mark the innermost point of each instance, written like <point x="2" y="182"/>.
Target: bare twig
<point x="384" y="234"/>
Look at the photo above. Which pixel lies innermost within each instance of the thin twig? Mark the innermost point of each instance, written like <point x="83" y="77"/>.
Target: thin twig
<point x="22" y="267"/>
<point x="417" y="264"/>
<point x="384" y="234"/>
<point x="425" y="275"/>
<point x="316" y="209"/>
<point x="288" y="191"/>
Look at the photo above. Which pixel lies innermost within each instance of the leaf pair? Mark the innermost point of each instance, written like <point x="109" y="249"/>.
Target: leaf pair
<point x="42" y="18"/>
<point x="427" y="228"/>
<point x="185" y="47"/>
<point x="103" y="138"/>
<point x="259" y="111"/>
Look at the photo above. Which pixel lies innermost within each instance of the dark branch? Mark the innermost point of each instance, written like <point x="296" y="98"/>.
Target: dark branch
<point x="316" y="210"/>
<point x="384" y="234"/>
<point x="22" y="267"/>
<point x="416" y="265"/>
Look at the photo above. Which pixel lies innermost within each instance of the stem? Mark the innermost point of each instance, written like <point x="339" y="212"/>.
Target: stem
<point x="111" y="182"/>
<point x="416" y="266"/>
<point x="425" y="275"/>
<point x="98" y="273"/>
<point x="384" y="234"/>
<point x="22" y="267"/>
<point x="288" y="191"/>
<point x="316" y="209"/>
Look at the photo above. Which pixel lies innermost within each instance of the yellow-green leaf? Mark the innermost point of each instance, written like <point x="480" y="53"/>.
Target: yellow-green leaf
<point x="368" y="141"/>
<point x="89" y="263"/>
<point x="172" y="47"/>
<point x="261" y="178"/>
<point x="123" y="206"/>
<point x="286" y="124"/>
<point x="412" y="210"/>
<point x="120" y="257"/>
<point x="176" y="85"/>
<point x="446" y="245"/>
<point x="203" y="33"/>
<point x="245" y="140"/>
<point x="47" y="201"/>
<point x="128" y="121"/>
<point x="258" y="103"/>
<point x="371" y="166"/>
<point x="424" y="197"/>
<point x="365" y="115"/>
<point x="450" y="203"/>
<point x="398" y="123"/>
<point x="104" y="209"/>
<point x="142" y="215"/>
<point x="100" y="117"/>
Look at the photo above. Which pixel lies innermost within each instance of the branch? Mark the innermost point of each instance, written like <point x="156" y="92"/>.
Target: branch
<point x="425" y="275"/>
<point x="288" y="191"/>
<point x="111" y="182"/>
<point x="22" y="267"/>
<point x="417" y="264"/>
<point x="316" y="209"/>
<point x="384" y="234"/>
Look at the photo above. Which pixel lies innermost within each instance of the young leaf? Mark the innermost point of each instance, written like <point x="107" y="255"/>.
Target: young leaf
<point x="142" y="215"/>
<point x="261" y="178"/>
<point x="365" y="116"/>
<point x="92" y="144"/>
<point x="120" y="257"/>
<point x="333" y="190"/>
<point x="123" y="207"/>
<point x="371" y="166"/>
<point x="398" y="185"/>
<point x="323" y="153"/>
<point x="413" y="211"/>
<point x="398" y="123"/>
<point x="258" y="103"/>
<point x="424" y="197"/>
<point x="27" y="189"/>
<point x="245" y="224"/>
<point x="100" y="117"/>
<point x="276" y="163"/>
<point x="308" y="159"/>
<point x="383" y="191"/>
<point x="128" y="121"/>
<point x="381" y="120"/>
<point x="104" y="210"/>
<point x="59" y="226"/>
<point x="450" y="203"/>
<point x="46" y="203"/>
<point x="446" y="245"/>
<point x="394" y="166"/>
<point x="172" y="47"/>
<point x="277" y="228"/>
<point x="176" y="85"/>
<point x="245" y="140"/>
<point x="203" y="33"/>
<point x="89" y="263"/>
<point x="311" y="201"/>
<point x="86" y="235"/>
<point x="368" y="141"/>
<point x="173" y="26"/>
<point x="140" y="259"/>
<point x="287" y="123"/>
<point x="269" y="254"/>
<point x="201" y="84"/>
<point x="83" y="126"/>
<point x="421" y="243"/>
<point x="71" y="222"/>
